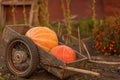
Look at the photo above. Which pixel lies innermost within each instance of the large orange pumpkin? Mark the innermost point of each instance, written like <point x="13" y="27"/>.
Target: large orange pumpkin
<point x="43" y="37"/>
<point x="64" y="53"/>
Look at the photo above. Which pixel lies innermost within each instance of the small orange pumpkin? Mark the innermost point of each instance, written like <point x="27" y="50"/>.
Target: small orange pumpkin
<point x="43" y="37"/>
<point x="64" y="53"/>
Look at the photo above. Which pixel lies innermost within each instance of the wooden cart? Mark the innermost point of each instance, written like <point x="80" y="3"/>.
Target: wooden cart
<point x="23" y="56"/>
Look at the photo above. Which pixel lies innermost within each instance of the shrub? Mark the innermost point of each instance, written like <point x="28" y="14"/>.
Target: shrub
<point x="107" y="37"/>
<point x="85" y="25"/>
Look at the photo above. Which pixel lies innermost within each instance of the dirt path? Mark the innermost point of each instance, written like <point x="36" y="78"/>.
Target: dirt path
<point x="108" y="72"/>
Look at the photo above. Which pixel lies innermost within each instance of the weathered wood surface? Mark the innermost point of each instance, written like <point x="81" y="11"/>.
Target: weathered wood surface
<point x="10" y="3"/>
<point x="0" y="11"/>
<point x="11" y="31"/>
<point x="31" y="15"/>
<point x="33" y="12"/>
<point x="79" y="63"/>
<point x="17" y="3"/>
<point x="52" y="64"/>
<point x="81" y="71"/>
<point x="48" y="61"/>
<point x="2" y="14"/>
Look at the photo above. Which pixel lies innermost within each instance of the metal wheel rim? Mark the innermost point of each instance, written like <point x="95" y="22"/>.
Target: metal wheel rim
<point x="10" y="60"/>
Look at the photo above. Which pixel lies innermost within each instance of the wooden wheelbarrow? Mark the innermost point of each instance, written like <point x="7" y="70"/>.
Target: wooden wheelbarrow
<point x="22" y="56"/>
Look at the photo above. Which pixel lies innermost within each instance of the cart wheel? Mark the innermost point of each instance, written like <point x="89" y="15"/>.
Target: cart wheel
<point x="21" y="56"/>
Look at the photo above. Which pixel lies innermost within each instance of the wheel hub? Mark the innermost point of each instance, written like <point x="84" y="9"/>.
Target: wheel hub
<point x="20" y="56"/>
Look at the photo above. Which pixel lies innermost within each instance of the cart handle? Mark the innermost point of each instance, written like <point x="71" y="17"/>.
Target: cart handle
<point x="80" y="70"/>
<point x="75" y="69"/>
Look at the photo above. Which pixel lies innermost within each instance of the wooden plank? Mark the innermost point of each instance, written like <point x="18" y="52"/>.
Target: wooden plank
<point x="2" y="15"/>
<point x="33" y="12"/>
<point x="8" y="34"/>
<point x="52" y="64"/>
<point x="20" y="28"/>
<point x="31" y="15"/>
<point x="0" y="11"/>
<point x="79" y="63"/>
<point x="47" y="59"/>
<point x="11" y="31"/>
<point x="82" y="71"/>
<point x="10" y="3"/>
<point x="16" y="3"/>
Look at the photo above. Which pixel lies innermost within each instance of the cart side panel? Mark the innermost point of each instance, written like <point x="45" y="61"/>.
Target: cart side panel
<point x="11" y="31"/>
<point x="21" y="29"/>
<point x="79" y="64"/>
<point x="48" y="58"/>
<point x="54" y="70"/>
<point x="49" y="62"/>
<point x="62" y="73"/>
<point x="9" y="34"/>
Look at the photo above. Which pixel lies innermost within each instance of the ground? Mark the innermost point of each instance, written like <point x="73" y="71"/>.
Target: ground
<point x="108" y="72"/>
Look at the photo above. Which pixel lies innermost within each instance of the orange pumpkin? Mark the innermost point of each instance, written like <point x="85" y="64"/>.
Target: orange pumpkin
<point x="64" y="53"/>
<point x="43" y="37"/>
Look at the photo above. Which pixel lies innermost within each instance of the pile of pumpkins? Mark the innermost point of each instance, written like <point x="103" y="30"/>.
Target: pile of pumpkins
<point x="47" y="39"/>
